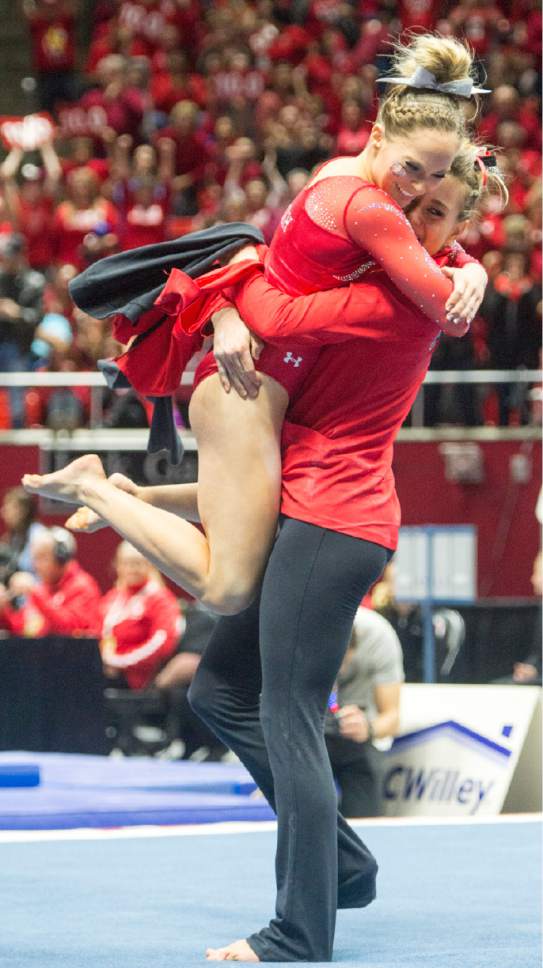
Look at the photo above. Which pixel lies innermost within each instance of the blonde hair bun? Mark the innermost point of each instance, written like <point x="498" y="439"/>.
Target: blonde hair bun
<point x="406" y="107"/>
<point x="446" y="58"/>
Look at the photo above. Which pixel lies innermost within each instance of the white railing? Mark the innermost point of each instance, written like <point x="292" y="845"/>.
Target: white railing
<point x="97" y="384"/>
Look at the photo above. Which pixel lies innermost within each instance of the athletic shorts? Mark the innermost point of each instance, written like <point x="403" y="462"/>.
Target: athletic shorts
<point x="289" y="367"/>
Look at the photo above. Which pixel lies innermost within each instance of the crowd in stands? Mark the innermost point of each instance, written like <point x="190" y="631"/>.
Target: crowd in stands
<point x="185" y="113"/>
<point x="151" y="644"/>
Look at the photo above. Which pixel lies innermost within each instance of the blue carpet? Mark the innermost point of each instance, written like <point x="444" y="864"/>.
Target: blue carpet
<point x="449" y="897"/>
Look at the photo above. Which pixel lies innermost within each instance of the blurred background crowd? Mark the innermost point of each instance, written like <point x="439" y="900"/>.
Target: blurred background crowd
<point x="174" y="115"/>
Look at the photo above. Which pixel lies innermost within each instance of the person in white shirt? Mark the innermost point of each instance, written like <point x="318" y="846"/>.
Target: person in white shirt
<point x="363" y="714"/>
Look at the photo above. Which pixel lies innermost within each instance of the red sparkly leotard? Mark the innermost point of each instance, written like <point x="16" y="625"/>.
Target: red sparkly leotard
<point x="338" y="229"/>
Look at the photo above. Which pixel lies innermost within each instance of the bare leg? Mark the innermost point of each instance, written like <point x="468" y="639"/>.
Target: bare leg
<point x="180" y="499"/>
<point x="238" y="498"/>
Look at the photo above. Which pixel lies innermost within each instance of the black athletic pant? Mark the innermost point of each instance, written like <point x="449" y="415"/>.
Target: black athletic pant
<point x="269" y="708"/>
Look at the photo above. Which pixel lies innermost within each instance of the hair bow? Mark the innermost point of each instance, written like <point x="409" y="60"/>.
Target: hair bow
<point x="485" y="159"/>
<point x="422" y="78"/>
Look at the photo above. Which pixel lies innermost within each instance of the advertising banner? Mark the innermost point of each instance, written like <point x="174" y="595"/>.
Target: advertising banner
<point x="458" y="750"/>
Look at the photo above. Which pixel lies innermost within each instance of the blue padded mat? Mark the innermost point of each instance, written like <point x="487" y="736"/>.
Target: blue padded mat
<point x="94" y="791"/>
<point x="49" y="809"/>
<point x="134" y="773"/>
<point x="19" y="775"/>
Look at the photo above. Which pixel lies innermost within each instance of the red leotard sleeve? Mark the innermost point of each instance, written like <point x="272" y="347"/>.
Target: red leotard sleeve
<point x="378" y="225"/>
<point x="459" y="257"/>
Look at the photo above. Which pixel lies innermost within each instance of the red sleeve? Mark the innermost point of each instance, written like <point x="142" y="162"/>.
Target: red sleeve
<point x="80" y="613"/>
<point x="460" y="258"/>
<point x="378" y="225"/>
<point x="361" y="309"/>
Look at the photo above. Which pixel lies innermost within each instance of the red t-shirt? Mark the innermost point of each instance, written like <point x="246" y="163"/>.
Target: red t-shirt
<point x="36" y="223"/>
<point x="351" y="142"/>
<point x="341" y="424"/>
<point x="124" y="113"/>
<point x="191" y="152"/>
<point x="144" y="224"/>
<point x="420" y="14"/>
<point x="165" y="91"/>
<point x="71" y="225"/>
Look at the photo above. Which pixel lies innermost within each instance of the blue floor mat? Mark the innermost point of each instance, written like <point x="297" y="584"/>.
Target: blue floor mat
<point x="448" y="897"/>
<point x="94" y="791"/>
<point x="135" y="772"/>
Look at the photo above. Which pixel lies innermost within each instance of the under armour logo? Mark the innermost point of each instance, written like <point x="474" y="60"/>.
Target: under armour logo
<point x="289" y="358"/>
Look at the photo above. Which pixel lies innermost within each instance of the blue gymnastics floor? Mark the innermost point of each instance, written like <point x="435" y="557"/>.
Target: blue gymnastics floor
<point x="450" y="896"/>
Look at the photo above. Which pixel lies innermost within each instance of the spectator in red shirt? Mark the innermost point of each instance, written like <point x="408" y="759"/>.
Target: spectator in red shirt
<point x="220" y="140"/>
<point x="129" y="170"/>
<point x="141" y="622"/>
<point x="145" y="216"/>
<point x="145" y="21"/>
<point x="63" y="600"/>
<point x="353" y="133"/>
<point x="118" y="96"/>
<point x="52" y="30"/>
<point x="31" y="205"/>
<point x="191" y="154"/>
<point x="85" y="224"/>
<point x="173" y="83"/>
<point x="82" y="150"/>
<point x="506" y="105"/>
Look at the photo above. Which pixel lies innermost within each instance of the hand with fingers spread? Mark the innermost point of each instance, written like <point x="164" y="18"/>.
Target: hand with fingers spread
<point x="235" y="349"/>
<point x="469" y="288"/>
<point x="88" y="522"/>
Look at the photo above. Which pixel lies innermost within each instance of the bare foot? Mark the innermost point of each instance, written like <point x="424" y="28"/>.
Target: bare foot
<point x="85" y="521"/>
<point x="237" y="951"/>
<point x="66" y="484"/>
<point x="88" y="522"/>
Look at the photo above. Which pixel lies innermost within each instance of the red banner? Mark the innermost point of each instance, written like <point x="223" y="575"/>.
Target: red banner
<point x="28" y="132"/>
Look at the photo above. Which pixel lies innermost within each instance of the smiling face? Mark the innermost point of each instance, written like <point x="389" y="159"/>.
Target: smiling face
<point x="409" y="166"/>
<point x="436" y="216"/>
